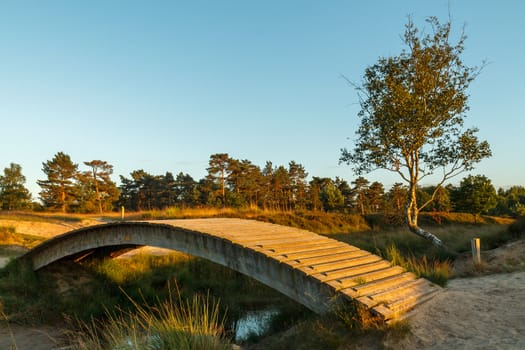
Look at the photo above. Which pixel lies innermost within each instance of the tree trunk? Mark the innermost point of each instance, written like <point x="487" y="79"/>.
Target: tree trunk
<point x="63" y="199"/>
<point x="97" y="192"/>
<point x="412" y="213"/>
<point x="426" y="235"/>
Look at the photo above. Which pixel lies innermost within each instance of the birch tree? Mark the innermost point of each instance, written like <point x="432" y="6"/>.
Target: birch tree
<point x="413" y="108"/>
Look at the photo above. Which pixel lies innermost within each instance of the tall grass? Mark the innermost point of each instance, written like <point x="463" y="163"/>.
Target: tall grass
<point x="434" y="270"/>
<point x="183" y="325"/>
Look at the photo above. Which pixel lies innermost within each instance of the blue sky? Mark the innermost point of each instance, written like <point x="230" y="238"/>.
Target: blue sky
<point x="162" y="85"/>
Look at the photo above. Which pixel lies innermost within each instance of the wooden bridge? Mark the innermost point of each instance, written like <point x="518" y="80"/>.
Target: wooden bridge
<point x="307" y="267"/>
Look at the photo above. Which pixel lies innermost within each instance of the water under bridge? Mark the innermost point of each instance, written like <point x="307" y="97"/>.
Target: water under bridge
<point x="312" y="269"/>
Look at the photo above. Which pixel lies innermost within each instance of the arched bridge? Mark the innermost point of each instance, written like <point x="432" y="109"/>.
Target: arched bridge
<point x="306" y="267"/>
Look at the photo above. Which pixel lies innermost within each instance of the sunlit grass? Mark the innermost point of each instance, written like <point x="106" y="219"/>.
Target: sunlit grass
<point x="128" y="269"/>
<point x="193" y="324"/>
<point x="315" y="221"/>
<point x="50" y="217"/>
<point x="434" y="270"/>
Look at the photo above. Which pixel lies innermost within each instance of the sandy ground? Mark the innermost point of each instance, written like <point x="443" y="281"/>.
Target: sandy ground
<point x="30" y="338"/>
<point x="472" y="313"/>
<point x="486" y="311"/>
<point x="482" y="312"/>
<point x="45" y="229"/>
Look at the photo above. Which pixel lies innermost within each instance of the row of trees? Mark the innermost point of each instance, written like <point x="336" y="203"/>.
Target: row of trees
<point x="65" y="189"/>
<point x="240" y="183"/>
<point x="236" y="183"/>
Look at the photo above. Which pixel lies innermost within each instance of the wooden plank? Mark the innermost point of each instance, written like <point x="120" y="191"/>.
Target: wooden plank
<point x="340" y="248"/>
<point x="399" y="292"/>
<point x="296" y="250"/>
<point x="267" y="238"/>
<point x="400" y="308"/>
<point x="291" y="243"/>
<point x="326" y="268"/>
<point x="328" y="258"/>
<point x="366" y="277"/>
<point x="353" y="273"/>
<point x="379" y="285"/>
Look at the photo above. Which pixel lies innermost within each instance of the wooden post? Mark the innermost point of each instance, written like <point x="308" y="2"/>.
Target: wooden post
<point x="476" y="253"/>
<point x="122" y="213"/>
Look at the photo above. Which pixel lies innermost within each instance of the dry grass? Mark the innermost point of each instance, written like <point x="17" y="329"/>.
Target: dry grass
<point x="173" y="324"/>
<point x="315" y="221"/>
<point x="9" y="237"/>
<point x="434" y="270"/>
<point x="42" y="216"/>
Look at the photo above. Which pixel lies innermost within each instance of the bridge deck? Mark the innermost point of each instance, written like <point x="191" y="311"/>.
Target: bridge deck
<point x="389" y="291"/>
<point x="308" y="267"/>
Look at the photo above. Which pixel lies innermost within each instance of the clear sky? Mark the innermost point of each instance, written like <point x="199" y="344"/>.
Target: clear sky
<point x="162" y="85"/>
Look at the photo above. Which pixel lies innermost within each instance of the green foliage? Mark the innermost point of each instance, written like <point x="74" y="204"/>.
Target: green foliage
<point x="331" y="197"/>
<point x="441" y="201"/>
<point x="94" y="189"/>
<point x="23" y="296"/>
<point x="219" y="171"/>
<point x="412" y="110"/>
<point x="510" y="202"/>
<point x="517" y="228"/>
<point x="13" y="194"/>
<point x="58" y="189"/>
<point x="68" y="190"/>
<point x="475" y="195"/>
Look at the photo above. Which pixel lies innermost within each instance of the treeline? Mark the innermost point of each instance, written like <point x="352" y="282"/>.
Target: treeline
<point x="240" y="183"/>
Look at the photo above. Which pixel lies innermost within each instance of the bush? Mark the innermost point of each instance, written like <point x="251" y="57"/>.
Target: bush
<point x="517" y="228"/>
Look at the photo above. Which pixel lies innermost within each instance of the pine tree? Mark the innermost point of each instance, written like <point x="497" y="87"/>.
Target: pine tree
<point x="58" y="190"/>
<point x="105" y="189"/>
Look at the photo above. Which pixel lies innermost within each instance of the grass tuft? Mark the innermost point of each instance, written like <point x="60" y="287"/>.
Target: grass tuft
<point x="433" y="270"/>
<point x="173" y="324"/>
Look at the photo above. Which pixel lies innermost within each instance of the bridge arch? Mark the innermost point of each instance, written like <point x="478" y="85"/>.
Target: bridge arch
<point x="302" y="265"/>
<point x="217" y="249"/>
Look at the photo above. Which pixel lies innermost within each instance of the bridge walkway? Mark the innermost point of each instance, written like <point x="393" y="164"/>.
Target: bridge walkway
<point x="388" y="291"/>
<point x="308" y="267"/>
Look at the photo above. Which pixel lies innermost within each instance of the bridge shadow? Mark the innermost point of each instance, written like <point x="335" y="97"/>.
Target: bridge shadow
<point x="148" y="278"/>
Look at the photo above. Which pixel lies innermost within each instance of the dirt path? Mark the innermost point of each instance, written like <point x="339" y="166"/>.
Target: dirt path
<point x="45" y="229"/>
<point x="473" y="313"/>
<point x="29" y="338"/>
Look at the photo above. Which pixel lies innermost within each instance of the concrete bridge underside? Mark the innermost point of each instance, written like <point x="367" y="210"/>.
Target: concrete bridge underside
<point x="304" y="266"/>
